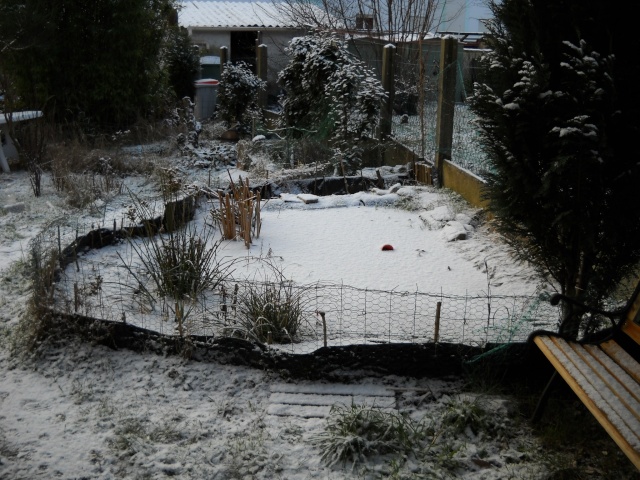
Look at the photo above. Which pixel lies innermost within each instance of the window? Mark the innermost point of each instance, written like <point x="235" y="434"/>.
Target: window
<point x="364" y="22"/>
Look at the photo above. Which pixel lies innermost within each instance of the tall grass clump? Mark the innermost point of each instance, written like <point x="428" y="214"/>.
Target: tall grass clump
<point x="353" y="433"/>
<point x="37" y="321"/>
<point x="181" y="264"/>
<point x="271" y="308"/>
<point x="272" y="311"/>
<point x="238" y="215"/>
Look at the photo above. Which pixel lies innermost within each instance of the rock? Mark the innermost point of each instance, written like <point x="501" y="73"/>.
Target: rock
<point x="14" y="208"/>
<point x="463" y="218"/>
<point x="231" y="135"/>
<point x="454" y="231"/>
<point x="442" y="213"/>
<point x="289" y="197"/>
<point x="394" y="188"/>
<point x="308" y="198"/>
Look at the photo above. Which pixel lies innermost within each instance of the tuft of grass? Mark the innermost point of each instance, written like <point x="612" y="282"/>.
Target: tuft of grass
<point x="37" y="322"/>
<point x="182" y="264"/>
<point x="272" y="310"/>
<point x="129" y="436"/>
<point x="355" y="432"/>
<point x="464" y="412"/>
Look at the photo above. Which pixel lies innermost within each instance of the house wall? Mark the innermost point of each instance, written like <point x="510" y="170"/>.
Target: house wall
<point x="462" y="16"/>
<point x="275" y="40"/>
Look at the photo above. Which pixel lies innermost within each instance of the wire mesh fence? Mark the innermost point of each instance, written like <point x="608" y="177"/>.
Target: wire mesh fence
<point x="415" y="124"/>
<point x="100" y="283"/>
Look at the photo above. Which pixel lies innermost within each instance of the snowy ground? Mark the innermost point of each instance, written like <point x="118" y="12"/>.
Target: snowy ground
<point x="83" y="411"/>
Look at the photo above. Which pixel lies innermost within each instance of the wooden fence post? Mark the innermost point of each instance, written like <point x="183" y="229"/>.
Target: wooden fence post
<point x="386" y="107"/>
<point x="224" y="57"/>
<point x="446" y="105"/>
<point x="436" y="333"/>
<point x="261" y="70"/>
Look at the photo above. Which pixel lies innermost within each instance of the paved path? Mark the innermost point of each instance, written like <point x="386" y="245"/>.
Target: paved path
<point x="316" y="400"/>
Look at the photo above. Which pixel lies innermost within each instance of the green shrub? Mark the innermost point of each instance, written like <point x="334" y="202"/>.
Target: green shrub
<point x="238" y="94"/>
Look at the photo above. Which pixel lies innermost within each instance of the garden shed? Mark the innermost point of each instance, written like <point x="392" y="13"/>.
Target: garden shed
<point x="241" y="26"/>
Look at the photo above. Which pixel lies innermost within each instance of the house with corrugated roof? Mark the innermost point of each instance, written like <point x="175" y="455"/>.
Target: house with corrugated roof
<point x="241" y="25"/>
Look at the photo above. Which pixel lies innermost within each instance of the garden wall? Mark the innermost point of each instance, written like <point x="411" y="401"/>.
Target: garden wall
<point x="464" y="182"/>
<point x="456" y="178"/>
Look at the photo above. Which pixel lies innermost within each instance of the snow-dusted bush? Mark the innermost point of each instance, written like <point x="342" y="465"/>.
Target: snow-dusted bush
<point x="329" y="92"/>
<point x="182" y="61"/>
<point x="238" y="93"/>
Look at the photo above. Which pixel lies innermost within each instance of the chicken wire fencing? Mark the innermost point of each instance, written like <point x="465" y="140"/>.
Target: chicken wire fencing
<point x="107" y="284"/>
<point x="415" y="121"/>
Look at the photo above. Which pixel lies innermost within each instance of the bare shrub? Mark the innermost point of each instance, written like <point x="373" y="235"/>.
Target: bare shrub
<point x="83" y="174"/>
<point x="31" y="139"/>
<point x="170" y="182"/>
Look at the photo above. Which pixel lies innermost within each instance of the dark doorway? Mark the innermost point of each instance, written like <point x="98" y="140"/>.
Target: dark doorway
<point x="243" y="48"/>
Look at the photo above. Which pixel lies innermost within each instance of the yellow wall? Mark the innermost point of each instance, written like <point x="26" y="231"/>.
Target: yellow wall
<point x="465" y="183"/>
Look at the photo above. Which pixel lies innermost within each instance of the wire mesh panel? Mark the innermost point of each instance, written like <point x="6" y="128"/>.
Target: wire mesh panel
<point x="416" y="121"/>
<point x="97" y="276"/>
<point x="100" y="283"/>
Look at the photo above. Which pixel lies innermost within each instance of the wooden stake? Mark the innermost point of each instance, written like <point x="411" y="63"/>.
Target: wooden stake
<point x="436" y="334"/>
<point x="59" y="247"/>
<point x="324" y="327"/>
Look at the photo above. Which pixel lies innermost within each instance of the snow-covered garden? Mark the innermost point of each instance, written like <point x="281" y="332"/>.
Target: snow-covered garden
<point x="243" y="299"/>
<point x="83" y="411"/>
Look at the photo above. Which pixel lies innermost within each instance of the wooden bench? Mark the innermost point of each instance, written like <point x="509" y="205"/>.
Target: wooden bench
<point x="605" y="375"/>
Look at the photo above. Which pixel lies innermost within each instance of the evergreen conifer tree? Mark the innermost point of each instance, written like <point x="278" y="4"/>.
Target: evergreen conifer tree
<point x="98" y="60"/>
<point x="558" y="108"/>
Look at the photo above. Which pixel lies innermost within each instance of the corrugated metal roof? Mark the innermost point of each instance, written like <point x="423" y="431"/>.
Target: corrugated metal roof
<point x="221" y="14"/>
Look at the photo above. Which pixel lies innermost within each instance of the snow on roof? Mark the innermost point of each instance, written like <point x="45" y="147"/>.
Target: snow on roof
<point x="222" y="14"/>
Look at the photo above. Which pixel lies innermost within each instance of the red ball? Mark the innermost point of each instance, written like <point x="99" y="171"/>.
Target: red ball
<point x="386" y="246"/>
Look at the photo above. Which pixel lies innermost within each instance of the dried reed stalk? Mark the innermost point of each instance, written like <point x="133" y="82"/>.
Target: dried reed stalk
<point x="240" y="213"/>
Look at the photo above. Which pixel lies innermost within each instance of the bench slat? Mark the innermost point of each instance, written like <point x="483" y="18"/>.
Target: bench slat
<point x="622" y="358"/>
<point x="633" y="330"/>
<point x="564" y="360"/>
<point x="602" y="393"/>
<point x="627" y="381"/>
<point x="629" y="403"/>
